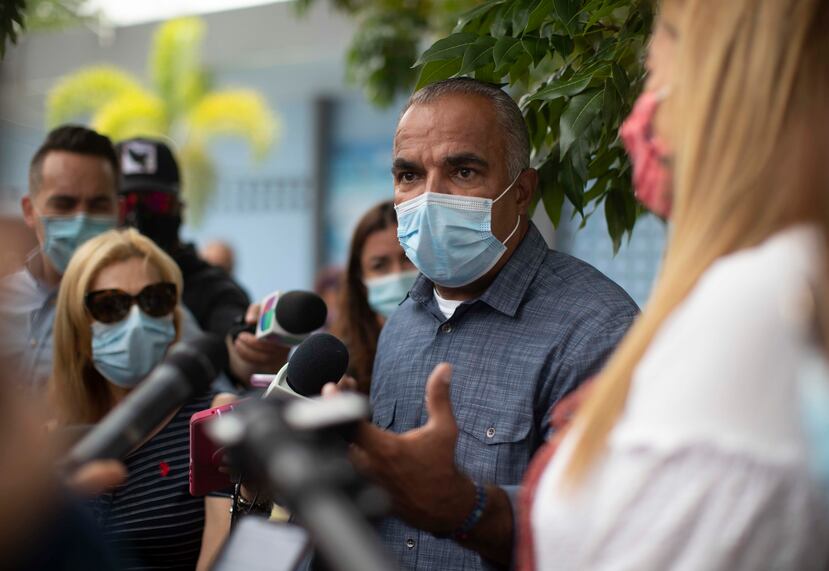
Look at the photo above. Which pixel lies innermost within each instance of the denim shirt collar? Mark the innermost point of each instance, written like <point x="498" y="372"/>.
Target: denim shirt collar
<point x="509" y="287"/>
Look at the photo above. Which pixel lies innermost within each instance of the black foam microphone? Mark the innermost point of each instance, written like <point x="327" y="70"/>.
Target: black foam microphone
<point x="288" y="317"/>
<point x="320" y="359"/>
<point x="186" y="371"/>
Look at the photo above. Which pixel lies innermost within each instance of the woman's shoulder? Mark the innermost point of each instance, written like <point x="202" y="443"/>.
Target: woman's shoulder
<point x="722" y="367"/>
<point x="784" y="261"/>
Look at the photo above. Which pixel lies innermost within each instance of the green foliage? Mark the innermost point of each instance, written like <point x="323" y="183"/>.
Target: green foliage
<point x="388" y="40"/>
<point x="11" y="22"/>
<point x="574" y="65"/>
<point x="179" y="107"/>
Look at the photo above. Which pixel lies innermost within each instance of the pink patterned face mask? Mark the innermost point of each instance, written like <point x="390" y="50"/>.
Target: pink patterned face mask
<point x="649" y="155"/>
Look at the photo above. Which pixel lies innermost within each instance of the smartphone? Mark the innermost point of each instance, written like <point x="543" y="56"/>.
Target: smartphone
<point x="256" y="544"/>
<point x="205" y="455"/>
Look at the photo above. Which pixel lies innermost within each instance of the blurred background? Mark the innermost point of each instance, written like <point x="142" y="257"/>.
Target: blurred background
<point x="283" y="150"/>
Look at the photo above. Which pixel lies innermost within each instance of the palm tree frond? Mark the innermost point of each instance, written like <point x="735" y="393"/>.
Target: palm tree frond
<point x="133" y="114"/>
<point x="175" y="63"/>
<point x="240" y="113"/>
<point x="84" y="92"/>
<point x="198" y="180"/>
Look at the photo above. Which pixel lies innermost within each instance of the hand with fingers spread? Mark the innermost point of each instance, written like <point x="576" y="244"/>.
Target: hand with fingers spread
<point x="249" y="355"/>
<point x="418" y="467"/>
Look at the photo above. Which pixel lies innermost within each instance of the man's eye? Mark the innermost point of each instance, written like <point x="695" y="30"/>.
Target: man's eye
<point x="406" y="177"/>
<point x="465" y="173"/>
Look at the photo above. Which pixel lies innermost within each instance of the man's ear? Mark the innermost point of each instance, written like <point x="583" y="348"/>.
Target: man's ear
<point x="526" y="186"/>
<point x="28" y="211"/>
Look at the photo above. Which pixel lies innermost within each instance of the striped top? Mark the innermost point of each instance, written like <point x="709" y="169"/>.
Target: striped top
<point x="152" y="520"/>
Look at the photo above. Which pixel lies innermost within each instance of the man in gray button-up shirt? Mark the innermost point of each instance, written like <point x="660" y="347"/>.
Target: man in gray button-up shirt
<point x="533" y="327"/>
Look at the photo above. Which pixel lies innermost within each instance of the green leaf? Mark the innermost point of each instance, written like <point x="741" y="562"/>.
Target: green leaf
<point x="577" y="117"/>
<point x="552" y="193"/>
<point x="610" y="106"/>
<point x="520" y="15"/>
<point x="540" y="123"/>
<point x="539" y="13"/>
<point x="477" y="55"/>
<point x="536" y="48"/>
<point x="573" y="185"/>
<point x="614" y="216"/>
<point x="562" y="88"/>
<point x="565" y="12"/>
<point x="475" y="13"/>
<point x="448" y="48"/>
<point x="562" y="44"/>
<point x="620" y="80"/>
<point x="520" y="70"/>
<point x="553" y="199"/>
<point x="506" y="50"/>
<point x="603" y="161"/>
<point x="436" y="71"/>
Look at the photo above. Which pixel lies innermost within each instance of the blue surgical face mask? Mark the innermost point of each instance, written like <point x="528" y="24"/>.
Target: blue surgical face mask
<point x="449" y="238"/>
<point x="126" y="351"/>
<point x="63" y="235"/>
<point x="385" y="293"/>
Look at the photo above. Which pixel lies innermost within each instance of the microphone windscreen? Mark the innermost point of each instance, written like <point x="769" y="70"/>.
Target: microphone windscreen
<point x="199" y="360"/>
<point x="320" y="359"/>
<point x="300" y="312"/>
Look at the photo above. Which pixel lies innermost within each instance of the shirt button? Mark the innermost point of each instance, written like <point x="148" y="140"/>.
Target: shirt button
<point x="410" y="543"/>
<point x="447" y="328"/>
<point x="490" y="432"/>
<point x="33" y="343"/>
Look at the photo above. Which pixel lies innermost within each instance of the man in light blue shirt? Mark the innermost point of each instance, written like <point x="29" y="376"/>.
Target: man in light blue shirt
<point x="521" y="325"/>
<point x="72" y="197"/>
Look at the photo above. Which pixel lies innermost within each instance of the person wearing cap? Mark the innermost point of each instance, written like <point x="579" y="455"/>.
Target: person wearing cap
<point x="72" y="197"/>
<point x="150" y="200"/>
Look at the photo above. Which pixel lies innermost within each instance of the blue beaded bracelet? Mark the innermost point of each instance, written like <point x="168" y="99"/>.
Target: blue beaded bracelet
<point x="474" y="517"/>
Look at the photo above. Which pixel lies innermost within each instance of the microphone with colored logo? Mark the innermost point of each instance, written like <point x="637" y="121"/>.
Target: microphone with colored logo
<point x="287" y="317"/>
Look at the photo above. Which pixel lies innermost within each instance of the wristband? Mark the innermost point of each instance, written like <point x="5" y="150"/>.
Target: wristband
<point x="474" y="517"/>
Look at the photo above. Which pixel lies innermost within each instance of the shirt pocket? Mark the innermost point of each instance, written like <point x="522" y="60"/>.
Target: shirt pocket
<point x="383" y="415"/>
<point x="493" y="444"/>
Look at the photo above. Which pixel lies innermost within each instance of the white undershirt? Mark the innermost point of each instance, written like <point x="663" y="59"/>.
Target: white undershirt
<point x="707" y="469"/>
<point x="447" y="306"/>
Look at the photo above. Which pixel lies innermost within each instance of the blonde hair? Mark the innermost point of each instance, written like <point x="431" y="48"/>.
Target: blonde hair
<point x="751" y="79"/>
<point x="77" y="391"/>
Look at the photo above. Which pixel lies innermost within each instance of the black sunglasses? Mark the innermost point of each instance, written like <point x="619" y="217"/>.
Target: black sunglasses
<point x="113" y="305"/>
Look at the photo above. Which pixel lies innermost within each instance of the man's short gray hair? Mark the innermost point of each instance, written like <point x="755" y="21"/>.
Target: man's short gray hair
<point x="510" y="119"/>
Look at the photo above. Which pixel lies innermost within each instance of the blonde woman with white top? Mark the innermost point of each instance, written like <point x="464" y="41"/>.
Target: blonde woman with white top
<point x="688" y="452"/>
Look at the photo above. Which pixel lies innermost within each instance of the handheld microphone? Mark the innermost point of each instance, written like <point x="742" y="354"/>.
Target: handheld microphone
<point x="288" y="317"/>
<point x="320" y="359"/>
<point x="186" y="371"/>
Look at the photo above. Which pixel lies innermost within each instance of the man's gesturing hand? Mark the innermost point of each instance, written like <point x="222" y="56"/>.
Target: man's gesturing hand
<point x="418" y="467"/>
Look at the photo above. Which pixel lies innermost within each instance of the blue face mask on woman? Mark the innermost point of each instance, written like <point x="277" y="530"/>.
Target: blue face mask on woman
<point x="449" y="237"/>
<point x="386" y="292"/>
<point x="126" y="351"/>
<point x="63" y="235"/>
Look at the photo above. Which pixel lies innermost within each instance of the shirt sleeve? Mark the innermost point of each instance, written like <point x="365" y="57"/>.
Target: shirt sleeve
<point x="583" y="361"/>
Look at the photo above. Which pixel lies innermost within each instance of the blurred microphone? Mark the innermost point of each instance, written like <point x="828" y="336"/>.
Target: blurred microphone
<point x="287" y="317"/>
<point x="186" y="371"/>
<point x="320" y="359"/>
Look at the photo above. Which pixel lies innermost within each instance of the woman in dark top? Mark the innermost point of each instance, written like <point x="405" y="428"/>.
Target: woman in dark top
<point x="117" y="314"/>
<point x="377" y="279"/>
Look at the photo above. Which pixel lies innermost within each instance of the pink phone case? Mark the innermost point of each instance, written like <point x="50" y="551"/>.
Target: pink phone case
<point x="205" y="455"/>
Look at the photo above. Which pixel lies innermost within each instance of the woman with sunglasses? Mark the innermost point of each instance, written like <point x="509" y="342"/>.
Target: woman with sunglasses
<point x="117" y="314"/>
